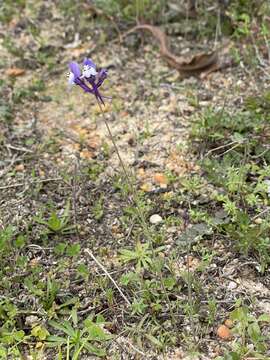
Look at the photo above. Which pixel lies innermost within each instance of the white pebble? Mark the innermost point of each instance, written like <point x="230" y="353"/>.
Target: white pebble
<point x="155" y="219"/>
<point x="232" y="285"/>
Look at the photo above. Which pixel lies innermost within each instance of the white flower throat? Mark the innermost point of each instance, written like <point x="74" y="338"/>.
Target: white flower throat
<point x="88" y="71"/>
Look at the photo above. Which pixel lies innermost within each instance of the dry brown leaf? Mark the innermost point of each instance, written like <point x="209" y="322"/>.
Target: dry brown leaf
<point x="78" y="51"/>
<point x="15" y="72"/>
<point x="94" y="142"/>
<point x="188" y="64"/>
<point x="79" y="130"/>
<point x="86" y="154"/>
<point x="123" y="113"/>
<point x="115" y="229"/>
<point x="193" y="262"/>
<point x="179" y="163"/>
<point x="141" y="172"/>
<point x="34" y="262"/>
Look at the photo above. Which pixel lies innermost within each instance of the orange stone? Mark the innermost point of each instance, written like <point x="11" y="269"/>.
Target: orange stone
<point x="160" y="179"/>
<point x="223" y="332"/>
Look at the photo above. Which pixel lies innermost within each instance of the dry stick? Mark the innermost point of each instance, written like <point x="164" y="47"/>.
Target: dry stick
<point x="261" y="213"/>
<point x="135" y="200"/>
<point x="218" y="29"/>
<point x="127" y="350"/>
<point x="220" y="147"/>
<point x="135" y="349"/>
<point x="23" y="149"/>
<point x="109" y="276"/>
<point x="33" y="182"/>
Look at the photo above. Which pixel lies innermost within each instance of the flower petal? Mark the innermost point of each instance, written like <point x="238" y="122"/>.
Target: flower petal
<point x="75" y="69"/>
<point x="102" y="75"/>
<point x="89" y="71"/>
<point x="71" y="78"/>
<point x="89" y="63"/>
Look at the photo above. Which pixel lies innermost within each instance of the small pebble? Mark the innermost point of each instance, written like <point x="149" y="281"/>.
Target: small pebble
<point x="155" y="219"/>
<point x="31" y="320"/>
<point x="232" y="285"/>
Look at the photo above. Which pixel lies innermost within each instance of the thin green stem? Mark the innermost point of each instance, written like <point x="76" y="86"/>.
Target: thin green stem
<point x="141" y="216"/>
<point x="190" y="300"/>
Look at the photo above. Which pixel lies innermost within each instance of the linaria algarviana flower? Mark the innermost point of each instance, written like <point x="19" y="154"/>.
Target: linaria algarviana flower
<point x="89" y="79"/>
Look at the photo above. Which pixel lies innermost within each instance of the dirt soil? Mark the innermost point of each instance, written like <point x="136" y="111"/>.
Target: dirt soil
<point x="55" y="150"/>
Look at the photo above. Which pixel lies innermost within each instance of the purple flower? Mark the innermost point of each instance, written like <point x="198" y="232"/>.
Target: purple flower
<point x="89" y="79"/>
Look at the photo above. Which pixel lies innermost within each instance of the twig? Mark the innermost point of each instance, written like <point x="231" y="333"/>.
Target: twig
<point x="261" y="213"/>
<point x="11" y="186"/>
<point x="220" y="147"/>
<point x="235" y="146"/>
<point x="126" y="341"/>
<point x="135" y="349"/>
<point x="33" y="182"/>
<point x="23" y="149"/>
<point x="109" y="276"/>
<point x="12" y="161"/>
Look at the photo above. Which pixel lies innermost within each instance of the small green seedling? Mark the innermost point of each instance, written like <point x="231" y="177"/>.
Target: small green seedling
<point x="74" y="339"/>
<point x="142" y="255"/>
<point x="57" y="224"/>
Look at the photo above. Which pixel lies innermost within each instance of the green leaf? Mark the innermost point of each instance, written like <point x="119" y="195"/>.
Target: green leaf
<point x="83" y="271"/>
<point x="66" y="213"/>
<point x="95" y="350"/>
<point x="74" y="316"/>
<point x="5" y="236"/>
<point x="73" y="250"/>
<point x="264" y="318"/>
<point x="60" y="248"/>
<point x="40" y="332"/>
<point x="154" y="340"/>
<point x="194" y="234"/>
<point x="240" y="314"/>
<point x="18" y="335"/>
<point x="232" y="356"/>
<point x="20" y="241"/>
<point x="64" y="327"/>
<point x="59" y="355"/>
<point x="3" y="352"/>
<point x="169" y="282"/>
<point x="54" y="223"/>
<point x="69" y="302"/>
<point x="130" y="277"/>
<point x="254" y="332"/>
<point x="53" y="340"/>
<point x="96" y="332"/>
<point x="100" y="319"/>
<point x="127" y="255"/>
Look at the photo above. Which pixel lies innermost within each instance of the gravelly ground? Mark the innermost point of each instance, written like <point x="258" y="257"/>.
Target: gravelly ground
<point x="150" y="116"/>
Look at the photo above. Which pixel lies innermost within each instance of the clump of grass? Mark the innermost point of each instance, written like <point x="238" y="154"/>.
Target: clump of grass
<point x="129" y="11"/>
<point x="235" y="159"/>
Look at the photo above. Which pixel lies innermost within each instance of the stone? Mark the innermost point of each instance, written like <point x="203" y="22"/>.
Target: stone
<point x="155" y="219"/>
